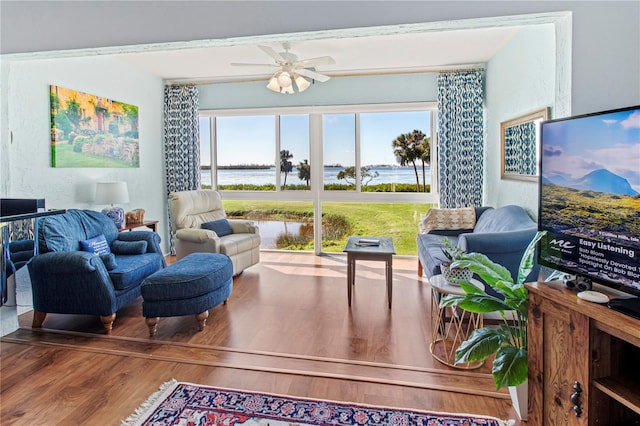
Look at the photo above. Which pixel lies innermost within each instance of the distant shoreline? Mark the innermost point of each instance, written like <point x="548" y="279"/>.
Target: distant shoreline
<point x="267" y="166"/>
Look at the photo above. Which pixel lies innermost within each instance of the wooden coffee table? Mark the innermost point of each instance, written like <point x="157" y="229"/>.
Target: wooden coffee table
<point x="356" y="249"/>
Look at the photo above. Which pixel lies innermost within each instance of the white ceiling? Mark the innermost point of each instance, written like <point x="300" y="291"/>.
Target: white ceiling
<point x="353" y="55"/>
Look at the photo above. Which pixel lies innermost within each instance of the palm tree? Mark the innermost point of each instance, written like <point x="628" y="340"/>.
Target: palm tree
<point x="304" y="171"/>
<point x="286" y="166"/>
<point x="425" y="157"/>
<point x="404" y="150"/>
<point x="410" y="147"/>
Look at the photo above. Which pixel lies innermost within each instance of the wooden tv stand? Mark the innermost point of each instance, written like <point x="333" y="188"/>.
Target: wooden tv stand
<point x="584" y="360"/>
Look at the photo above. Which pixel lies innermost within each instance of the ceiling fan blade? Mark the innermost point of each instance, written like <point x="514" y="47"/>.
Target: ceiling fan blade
<point x="275" y="55"/>
<point x="242" y="64"/>
<point x="322" y="60"/>
<point x="312" y="74"/>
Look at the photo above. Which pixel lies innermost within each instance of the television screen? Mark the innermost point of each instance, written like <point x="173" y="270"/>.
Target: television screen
<point x="590" y="197"/>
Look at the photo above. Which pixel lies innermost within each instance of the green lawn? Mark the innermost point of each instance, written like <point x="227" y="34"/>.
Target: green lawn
<point x="65" y="156"/>
<point x="399" y="221"/>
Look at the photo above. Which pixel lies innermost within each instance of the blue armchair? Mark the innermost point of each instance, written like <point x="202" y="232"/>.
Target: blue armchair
<point x="68" y="280"/>
<point x="501" y="234"/>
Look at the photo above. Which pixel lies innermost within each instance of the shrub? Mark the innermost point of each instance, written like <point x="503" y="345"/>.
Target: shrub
<point x="289" y="241"/>
<point x="335" y="227"/>
<point x="87" y="132"/>
<point x="79" y="142"/>
<point x="247" y="187"/>
<point x="63" y="123"/>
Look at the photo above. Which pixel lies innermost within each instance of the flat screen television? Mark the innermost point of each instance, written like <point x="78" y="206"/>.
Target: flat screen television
<point x="590" y="200"/>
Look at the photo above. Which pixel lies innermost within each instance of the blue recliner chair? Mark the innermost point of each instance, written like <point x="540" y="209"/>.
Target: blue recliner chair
<point x="66" y="279"/>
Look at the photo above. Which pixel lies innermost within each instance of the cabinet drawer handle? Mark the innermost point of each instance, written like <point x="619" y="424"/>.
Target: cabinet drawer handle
<point x="575" y="398"/>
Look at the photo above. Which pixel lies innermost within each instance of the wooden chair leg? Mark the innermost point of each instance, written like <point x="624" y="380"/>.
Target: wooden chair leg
<point x="38" y="319"/>
<point x="152" y="323"/>
<point x="202" y="319"/>
<point x="419" y="268"/>
<point x="107" y="321"/>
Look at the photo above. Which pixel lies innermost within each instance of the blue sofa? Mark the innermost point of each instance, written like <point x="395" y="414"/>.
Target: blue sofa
<point x="67" y="280"/>
<point x="501" y="234"/>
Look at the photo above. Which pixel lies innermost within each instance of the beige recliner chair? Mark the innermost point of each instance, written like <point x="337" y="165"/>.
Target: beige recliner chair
<point x="190" y="209"/>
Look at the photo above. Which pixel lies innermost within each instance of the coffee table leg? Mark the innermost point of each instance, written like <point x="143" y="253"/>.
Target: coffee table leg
<point x="389" y="280"/>
<point x="350" y="276"/>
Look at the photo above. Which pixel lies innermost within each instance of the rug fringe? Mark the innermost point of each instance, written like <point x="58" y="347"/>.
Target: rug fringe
<point x="147" y="407"/>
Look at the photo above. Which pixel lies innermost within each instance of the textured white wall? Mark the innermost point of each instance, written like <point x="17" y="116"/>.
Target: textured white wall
<point x="520" y="79"/>
<point x="28" y="155"/>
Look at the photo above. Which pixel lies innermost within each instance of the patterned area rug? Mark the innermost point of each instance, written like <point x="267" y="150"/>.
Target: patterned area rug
<point x="178" y="403"/>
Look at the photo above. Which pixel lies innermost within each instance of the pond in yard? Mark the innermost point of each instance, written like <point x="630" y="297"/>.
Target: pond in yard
<point x="271" y="230"/>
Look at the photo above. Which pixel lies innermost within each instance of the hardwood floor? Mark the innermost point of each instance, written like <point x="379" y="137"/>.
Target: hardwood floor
<point x="286" y="329"/>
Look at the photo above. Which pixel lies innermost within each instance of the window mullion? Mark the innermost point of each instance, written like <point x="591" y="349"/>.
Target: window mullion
<point x="357" y="152"/>
<point x="213" y="152"/>
<point x="278" y="172"/>
<point x="317" y="177"/>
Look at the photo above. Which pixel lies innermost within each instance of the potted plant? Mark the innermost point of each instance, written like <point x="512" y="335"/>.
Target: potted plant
<point x="453" y="253"/>
<point x="508" y="342"/>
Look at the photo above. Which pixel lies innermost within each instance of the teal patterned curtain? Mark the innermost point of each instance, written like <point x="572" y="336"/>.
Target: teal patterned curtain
<point x="460" y="138"/>
<point x="181" y="140"/>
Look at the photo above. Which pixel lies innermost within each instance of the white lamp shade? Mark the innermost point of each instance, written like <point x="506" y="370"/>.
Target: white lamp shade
<point x="302" y="83"/>
<point x="112" y="193"/>
<point x="282" y="82"/>
<point x="273" y="84"/>
<point x="284" y="79"/>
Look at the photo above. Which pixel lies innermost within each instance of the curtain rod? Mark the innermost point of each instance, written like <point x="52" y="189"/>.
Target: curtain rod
<point x="252" y="80"/>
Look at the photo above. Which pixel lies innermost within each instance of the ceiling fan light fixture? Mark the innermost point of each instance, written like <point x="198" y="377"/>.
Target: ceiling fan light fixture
<point x="302" y="83"/>
<point x="284" y="79"/>
<point x="273" y="84"/>
<point x="292" y="70"/>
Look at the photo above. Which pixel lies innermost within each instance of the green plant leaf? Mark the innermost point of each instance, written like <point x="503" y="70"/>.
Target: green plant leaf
<point x="528" y="259"/>
<point x="476" y="302"/>
<point x="509" y="341"/>
<point x="482" y="343"/>
<point x="490" y="272"/>
<point x="510" y="366"/>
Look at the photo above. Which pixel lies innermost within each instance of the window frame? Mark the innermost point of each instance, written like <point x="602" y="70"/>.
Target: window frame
<point x="317" y="194"/>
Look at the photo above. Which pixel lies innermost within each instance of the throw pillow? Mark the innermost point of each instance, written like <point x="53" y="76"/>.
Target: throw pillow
<point x="97" y="245"/>
<point x="220" y="227"/>
<point x="129" y="247"/>
<point x="109" y="261"/>
<point x="456" y="218"/>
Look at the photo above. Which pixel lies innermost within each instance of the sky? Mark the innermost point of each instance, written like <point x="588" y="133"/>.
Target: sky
<point x="611" y="141"/>
<point x="251" y="139"/>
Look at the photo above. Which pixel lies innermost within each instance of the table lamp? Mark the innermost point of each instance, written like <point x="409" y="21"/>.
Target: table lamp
<point x="113" y="193"/>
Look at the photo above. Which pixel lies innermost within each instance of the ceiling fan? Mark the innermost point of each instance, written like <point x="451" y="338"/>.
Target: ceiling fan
<point x="292" y="70"/>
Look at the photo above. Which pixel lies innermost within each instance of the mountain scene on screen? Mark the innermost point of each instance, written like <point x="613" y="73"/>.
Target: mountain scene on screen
<point x="601" y="180"/>
<point x="591" y="213"/>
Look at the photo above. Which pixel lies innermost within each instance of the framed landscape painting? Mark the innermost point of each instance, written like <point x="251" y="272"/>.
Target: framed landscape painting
<point x="91" y="131"/>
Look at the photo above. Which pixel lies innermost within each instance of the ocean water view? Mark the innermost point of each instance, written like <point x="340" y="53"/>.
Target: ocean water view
<point x="267" y="176"/>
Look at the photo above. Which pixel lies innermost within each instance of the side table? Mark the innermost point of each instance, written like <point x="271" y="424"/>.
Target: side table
<point x="450" y="326"/>
<point x="357" y="250"/>
<point x="148" y="223"/>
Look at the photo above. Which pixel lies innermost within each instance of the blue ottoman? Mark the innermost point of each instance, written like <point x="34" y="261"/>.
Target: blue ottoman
<point x="191" y="286"/>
